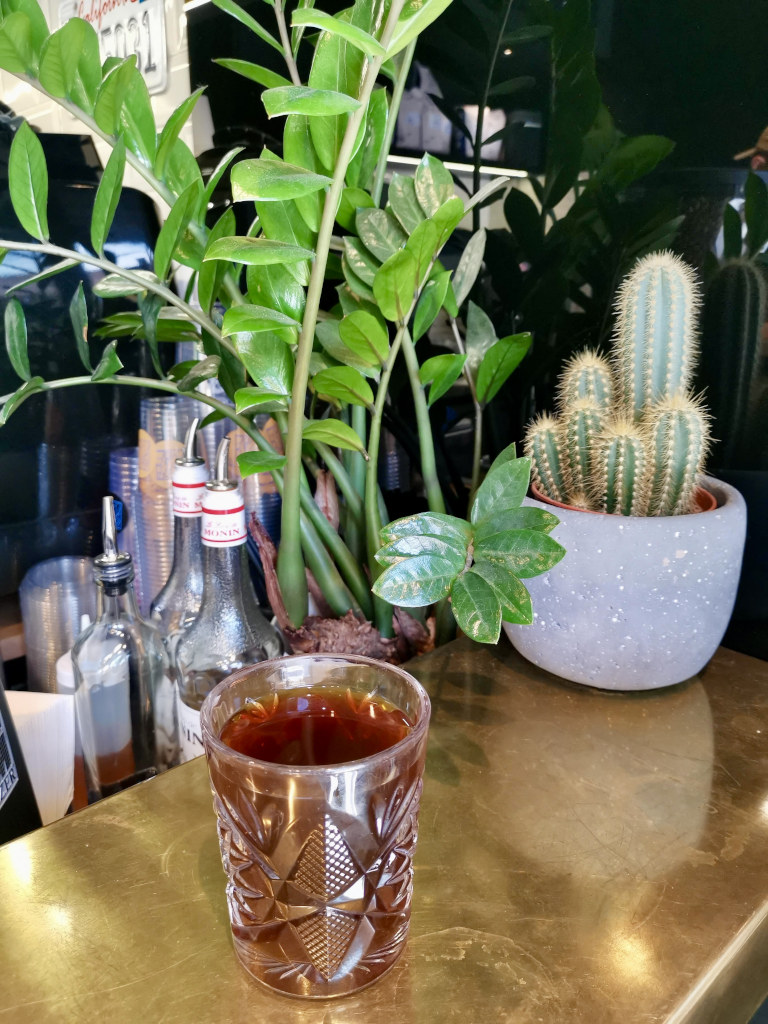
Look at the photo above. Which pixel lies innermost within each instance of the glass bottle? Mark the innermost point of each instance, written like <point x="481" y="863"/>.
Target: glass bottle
<point x="120" y="667"/>
<point x="229" y="631"/>
<point x="176" y="606"/>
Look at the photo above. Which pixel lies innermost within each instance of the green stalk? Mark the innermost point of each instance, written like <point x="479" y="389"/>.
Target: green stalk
<point x="477" y="450"/>
<point x="426" y="441"/>
<point x="290" y="566"/>
<point x="397" y="99"/>
<point x="171" y="298"/>
<point x="325" y="572"/>
<point x="343" y="480"/>
<point x="279" y="8"/>
<point x="354" y="531"/>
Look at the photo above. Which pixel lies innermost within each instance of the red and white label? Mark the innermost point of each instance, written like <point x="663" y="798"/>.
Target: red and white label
<point x="224" y="527"/>
<point x="188" y="490"/>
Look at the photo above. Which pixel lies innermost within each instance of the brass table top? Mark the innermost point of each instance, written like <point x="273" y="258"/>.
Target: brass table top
<point x="583" y="857"/>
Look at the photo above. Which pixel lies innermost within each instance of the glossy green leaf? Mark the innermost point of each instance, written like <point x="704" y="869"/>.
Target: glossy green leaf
<point x="112" y="93"/>
<point x="259" y="462"/>
<point x="150" y="307"/>
<point x="317" y="19"/>
<point x="394" y="285"/>
<point x="512" y="85"/>
<point x="416" y="582"/>
<point x="114" y="286"/>
<point x="334" y="433"/>
<point x="273" y="286"/>
<point x="362" y="166"/>
<point x="409" y="547"/>
<point x="469" y="266"/>
<point x="211" y="275"/>
<point x="11" y="404"/>
<point x="281" y="221"/>
<point x="109" y="364"/>
<point x="298" y="150"/>
<point x="181" y="171"/>
<point x="137" y="120"/>
<point x="216" y="175"/>
<point x="204" y="369"/>
<point x="423" y="246"/>
<point x="16" y="53"/>
<point x="261" y="400"/>
<point x="268" y="360"/>
<point x="476" y="608"/>
<point x="345" y="383"/>
<point x="430" y="303"/>
<point x="267" y="179"/>
<point x="502" y="489"/>
<point x="433" y="184"/>
<point x="403" y="202"/>
<point x="254" y="72"/>
<point x="299" y="99"/>
<point x="446" y="219"/>
<point x="436" y="524"/>
<point x="172" y="129"/>
<point x="256" y="251"/>
<point x="498" y="363"/>
<point x="107" y="197"/>
<point x="412" y="22"/>
<point x="70" y="67"/>
<point x="357" y="286"/>
<point x="525" y="223"/>
<point x="16" y="339"/>
<point x="361" y="262"/>
<point x="38" y="26"/>
<point x="366" y="337"/>
<point x="480" y="336"/>
<point x="441" y="372"/>
<point x="352" y="200"/>
<point x="255" y="319"/>
<point x="28" y="182"/>
<point x="237" y="12"/>
<point x="525" y="553"/>
<point x="49" y="271"/>
<point x="337" y="65"/>
<point x="379" y="232"/>
<point x="327" y="333"/>
<point x="514" y="599"/>
<point x="78" y="315"/>
<point x="527" y="517"/>
<point x="172" y="231"/>
<point x="505" y="455"/>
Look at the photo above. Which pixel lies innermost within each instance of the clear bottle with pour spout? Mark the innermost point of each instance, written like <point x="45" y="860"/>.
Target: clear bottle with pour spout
<point x="230" y="630"/>
<point x="178" y="603"/>
<point x="120" y="664"/>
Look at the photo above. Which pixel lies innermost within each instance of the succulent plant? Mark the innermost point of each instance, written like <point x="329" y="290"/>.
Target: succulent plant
<point x="629" y="438"/>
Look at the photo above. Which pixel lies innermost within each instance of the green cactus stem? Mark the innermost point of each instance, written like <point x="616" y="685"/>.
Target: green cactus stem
<point x="732" y="321"/>
<point x="543" y="445"/>
<point x="580" y="424"/>
<point x="585" y="375"/>
<point x="677" y="430"/>
<point x="655" y="340"/>
<point x="620" y="469"/>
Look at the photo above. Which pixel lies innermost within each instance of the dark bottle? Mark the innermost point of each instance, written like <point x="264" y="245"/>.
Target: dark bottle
<point x="230" y="630"/>
<point x="121" y="669"/>
<point x="18" y="807"/>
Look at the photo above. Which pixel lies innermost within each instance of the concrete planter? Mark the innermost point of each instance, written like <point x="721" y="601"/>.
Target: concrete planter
<point x="637" y="603"/>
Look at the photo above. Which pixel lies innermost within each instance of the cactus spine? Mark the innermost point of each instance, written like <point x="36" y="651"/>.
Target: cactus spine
<point x="732" y="321"/>
<point x="628" y="437"/>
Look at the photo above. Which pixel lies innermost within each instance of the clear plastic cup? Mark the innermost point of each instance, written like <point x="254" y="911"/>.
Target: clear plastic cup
<point x="319" y="859"/>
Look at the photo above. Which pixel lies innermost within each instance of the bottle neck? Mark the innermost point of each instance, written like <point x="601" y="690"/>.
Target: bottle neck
<point x="186" y="539"/>
<point x="116" y="601"/>
<point x="223" y="573"/>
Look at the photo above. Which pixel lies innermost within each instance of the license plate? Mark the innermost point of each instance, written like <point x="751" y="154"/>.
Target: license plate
<point x="125" y="27"/>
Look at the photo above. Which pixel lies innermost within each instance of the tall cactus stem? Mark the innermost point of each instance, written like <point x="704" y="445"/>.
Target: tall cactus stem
<point x="585" y="375"/>
<point x="620" y="469"/>
<point x="677" y="430"/>
<point x="543" y="446"/>
<point x="581" y="423"/>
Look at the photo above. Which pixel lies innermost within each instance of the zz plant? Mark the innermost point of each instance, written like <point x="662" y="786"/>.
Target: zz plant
<point x="629" y="438"/>
<point x="263" y="316"/>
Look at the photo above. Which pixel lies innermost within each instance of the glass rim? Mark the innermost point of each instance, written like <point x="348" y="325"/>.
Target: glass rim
<point x="413" y="737"/>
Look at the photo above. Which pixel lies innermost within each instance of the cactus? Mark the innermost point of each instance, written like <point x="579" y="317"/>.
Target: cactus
<point x="633" y="443"/>
<point x="543" y="446"/>
<point x="654" y="341"/>
<point x="732" y="321"/>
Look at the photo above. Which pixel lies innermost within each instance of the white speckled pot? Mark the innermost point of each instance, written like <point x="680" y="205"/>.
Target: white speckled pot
<point x="637" y="603"/>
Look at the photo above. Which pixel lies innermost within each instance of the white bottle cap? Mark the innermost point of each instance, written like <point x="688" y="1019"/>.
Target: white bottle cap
<point x="223" y="518"/>
<point x="188" y="489"/>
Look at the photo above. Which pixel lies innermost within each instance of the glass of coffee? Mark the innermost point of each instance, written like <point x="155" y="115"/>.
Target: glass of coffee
<point x="316" y="764"/>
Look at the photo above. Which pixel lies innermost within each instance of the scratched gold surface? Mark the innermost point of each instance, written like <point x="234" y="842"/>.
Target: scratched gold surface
<point x="583" y="857"/>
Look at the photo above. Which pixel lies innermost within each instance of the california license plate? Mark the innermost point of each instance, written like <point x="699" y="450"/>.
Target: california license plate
<point x="129" y="26"/>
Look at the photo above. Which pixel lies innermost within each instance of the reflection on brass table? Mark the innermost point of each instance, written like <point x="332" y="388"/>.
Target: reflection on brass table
<point x="584" y="857"/>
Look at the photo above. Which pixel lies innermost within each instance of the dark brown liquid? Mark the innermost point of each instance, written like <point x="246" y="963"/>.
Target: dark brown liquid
<point x="300" y="727"/>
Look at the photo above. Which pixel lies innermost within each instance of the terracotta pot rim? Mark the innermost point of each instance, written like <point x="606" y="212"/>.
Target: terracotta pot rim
<point x="706" y="501"/>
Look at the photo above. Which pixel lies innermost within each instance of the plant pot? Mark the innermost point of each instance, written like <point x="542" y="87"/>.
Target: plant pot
<point x="638" y="602"/>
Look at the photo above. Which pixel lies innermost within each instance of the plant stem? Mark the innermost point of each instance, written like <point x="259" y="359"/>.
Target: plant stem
<point x="293" y="71"/>
<point x="343" y="480"/>
<point x="394" y="107"/>
<point x="435" y="498"/>
<point x="478" y="147"/>
<point x="477" y="451"/>
<point x="146" y="284"/>
<point x="290" y="567"/>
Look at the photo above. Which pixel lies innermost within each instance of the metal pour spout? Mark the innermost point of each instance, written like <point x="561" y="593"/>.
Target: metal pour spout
<point x="190" y="458"/>
<point x="109" y="529"/>
<point x="220" y="480"/>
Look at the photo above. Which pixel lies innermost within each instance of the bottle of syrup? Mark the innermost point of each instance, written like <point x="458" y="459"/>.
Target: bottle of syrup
<point x="230" y="630"/>
<point x="121" y="668"/>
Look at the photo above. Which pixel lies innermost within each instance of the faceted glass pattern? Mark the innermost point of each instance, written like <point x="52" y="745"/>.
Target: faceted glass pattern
<point x="319" y="860"/>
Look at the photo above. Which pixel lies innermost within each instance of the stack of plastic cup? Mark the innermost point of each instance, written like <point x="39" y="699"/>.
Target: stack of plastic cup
<point x="124" y="486"/>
